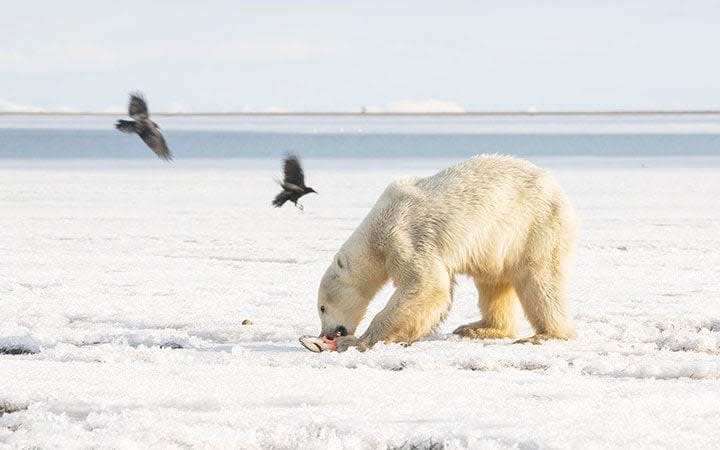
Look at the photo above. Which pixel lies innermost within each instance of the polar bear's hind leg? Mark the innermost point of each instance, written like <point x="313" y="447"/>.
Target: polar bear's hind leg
<point x="544" y="300"/>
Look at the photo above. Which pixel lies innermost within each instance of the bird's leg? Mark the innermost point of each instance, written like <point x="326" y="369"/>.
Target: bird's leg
<point x="299" y="206"/>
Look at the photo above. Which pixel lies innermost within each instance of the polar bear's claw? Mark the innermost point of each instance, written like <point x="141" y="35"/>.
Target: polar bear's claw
<point x="475" y="332"/>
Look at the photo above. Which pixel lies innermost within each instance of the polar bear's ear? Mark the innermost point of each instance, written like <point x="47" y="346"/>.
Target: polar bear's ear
<point x="341" y="262"/>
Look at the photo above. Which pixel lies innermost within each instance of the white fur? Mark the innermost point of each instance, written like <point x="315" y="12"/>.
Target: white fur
<point x="500" y="220"/>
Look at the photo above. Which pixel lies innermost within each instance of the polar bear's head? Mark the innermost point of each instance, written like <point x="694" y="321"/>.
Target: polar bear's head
<point x="341" y="303"/>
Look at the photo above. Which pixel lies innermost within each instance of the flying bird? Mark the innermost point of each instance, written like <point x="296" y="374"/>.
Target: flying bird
<point x="144" y="127"/>
<point x="293" y="183"/>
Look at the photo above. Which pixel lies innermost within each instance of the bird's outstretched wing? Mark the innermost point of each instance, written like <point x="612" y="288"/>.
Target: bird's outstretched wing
<point x="137" y="109"/>
<point x="152" y="137"/>
<point x="126" y="126"/>
<point x="292" y="188"/>
<point x="293" y="174"/>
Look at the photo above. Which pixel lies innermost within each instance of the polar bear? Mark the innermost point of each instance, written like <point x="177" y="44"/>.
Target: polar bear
<point x="501" y="220"/>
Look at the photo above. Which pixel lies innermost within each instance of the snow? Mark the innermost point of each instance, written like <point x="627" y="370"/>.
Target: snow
<point x="126" y="283"/>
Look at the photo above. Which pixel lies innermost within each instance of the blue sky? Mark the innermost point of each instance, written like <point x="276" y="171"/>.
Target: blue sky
<point x="345" y="55"/>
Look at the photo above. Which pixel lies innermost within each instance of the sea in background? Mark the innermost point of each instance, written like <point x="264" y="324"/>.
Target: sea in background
<point x="685" y="138"/>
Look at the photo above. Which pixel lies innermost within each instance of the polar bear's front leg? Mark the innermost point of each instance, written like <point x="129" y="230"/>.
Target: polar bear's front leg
<point x="412" y="312"/>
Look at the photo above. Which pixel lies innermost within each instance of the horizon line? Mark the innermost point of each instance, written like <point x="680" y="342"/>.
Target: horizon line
<point x="629" y="112"/>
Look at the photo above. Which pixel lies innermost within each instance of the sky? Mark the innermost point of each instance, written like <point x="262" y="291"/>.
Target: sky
<point x="405" y="56"/>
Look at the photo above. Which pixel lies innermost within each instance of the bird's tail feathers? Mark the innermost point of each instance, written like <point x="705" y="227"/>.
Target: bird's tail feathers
<point x="126" y="126"/>
<point x="280" y="199"/>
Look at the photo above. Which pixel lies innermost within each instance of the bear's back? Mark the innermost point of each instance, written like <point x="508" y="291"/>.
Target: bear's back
<point x="484" y="207"/>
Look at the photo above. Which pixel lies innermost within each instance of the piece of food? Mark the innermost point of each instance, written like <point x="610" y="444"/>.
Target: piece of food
<point x="318" y="344"/>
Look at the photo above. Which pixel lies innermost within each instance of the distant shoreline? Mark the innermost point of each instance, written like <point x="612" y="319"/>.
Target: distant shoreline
<point x="390" y="114"/>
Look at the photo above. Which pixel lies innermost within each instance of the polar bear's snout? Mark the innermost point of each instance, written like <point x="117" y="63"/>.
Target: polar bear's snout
<point x="337" y="332"/>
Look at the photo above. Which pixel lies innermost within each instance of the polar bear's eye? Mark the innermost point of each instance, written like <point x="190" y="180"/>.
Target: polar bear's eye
<point x="322" y="308"/>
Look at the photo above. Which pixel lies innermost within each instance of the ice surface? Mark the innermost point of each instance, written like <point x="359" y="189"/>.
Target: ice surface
<point x="126" y="284"/>
<point x="358" y="124"/>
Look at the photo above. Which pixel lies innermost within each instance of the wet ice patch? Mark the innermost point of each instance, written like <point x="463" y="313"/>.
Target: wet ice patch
<point x="9" y="407"/>
<point x="700" y="337"/>
<point x="18" y="345"/>
<point x="657" y="366"/>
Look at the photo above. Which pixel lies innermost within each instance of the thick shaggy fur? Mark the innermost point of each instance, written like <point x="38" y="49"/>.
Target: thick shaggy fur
<point x="500" y="220"/>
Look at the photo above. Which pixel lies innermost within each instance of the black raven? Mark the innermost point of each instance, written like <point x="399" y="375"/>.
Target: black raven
<point x="293" y="183"/>
<point x="144" y="127"/>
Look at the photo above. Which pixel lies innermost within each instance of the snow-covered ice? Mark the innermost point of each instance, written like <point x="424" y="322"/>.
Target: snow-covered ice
<point x="123" y="286"/>
<point x="708" y="123"/>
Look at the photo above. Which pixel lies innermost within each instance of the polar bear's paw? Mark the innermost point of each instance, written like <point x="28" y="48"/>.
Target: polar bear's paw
<point x="345" y="342"/>
<point x="476" y="330"/>
<point x="540" y="337"/>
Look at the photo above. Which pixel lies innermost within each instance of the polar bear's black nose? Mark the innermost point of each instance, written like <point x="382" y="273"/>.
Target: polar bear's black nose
<point x="338" y="331"/>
